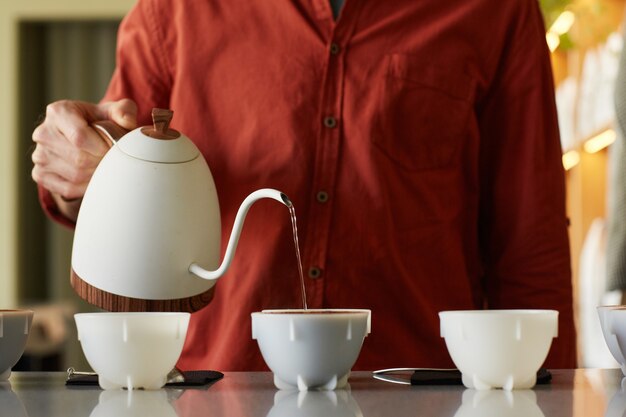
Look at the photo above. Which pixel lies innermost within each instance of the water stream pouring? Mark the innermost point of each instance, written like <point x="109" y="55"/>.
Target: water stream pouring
<point x="148" y="233"/>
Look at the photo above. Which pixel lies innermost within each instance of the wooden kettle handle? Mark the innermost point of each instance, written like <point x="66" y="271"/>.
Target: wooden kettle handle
<point x="110" y="131"/>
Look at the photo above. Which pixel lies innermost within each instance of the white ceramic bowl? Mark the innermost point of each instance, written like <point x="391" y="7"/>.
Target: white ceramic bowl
<point x="499" y="348"/>
<point x="613" y="323"/>
<point x="132" y="350"/>
<point x="14" y="329"/>
<point x="609" y="336"/>
<point x="310" y="349"/>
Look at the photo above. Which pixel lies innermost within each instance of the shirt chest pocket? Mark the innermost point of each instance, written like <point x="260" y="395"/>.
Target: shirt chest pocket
<point x="424" y="113"/>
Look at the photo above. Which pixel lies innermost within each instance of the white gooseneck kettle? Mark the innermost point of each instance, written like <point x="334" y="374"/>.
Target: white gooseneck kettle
<point x="148" y="233"/>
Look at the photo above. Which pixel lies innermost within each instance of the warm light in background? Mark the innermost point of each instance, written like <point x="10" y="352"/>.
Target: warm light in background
<point x="553" y="41"/>
<point x="600" y="141"/>
<point x="563" y="23"/>
<point x="561" y="26"/>
<point x="597" y="143"/>
<point x="570" y="159"/>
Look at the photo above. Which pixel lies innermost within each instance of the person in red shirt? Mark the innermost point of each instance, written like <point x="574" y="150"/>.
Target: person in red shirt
<point x="418" y="142"/>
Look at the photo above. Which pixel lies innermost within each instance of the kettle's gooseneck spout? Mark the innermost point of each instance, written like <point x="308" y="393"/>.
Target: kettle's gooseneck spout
<point x="234" y="234"/>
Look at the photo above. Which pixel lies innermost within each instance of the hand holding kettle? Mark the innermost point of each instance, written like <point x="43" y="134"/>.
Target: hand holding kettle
<point x="68" y="149"/>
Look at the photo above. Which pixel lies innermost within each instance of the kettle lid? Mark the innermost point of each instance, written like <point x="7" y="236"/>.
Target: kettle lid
<point x="159" y="143"/>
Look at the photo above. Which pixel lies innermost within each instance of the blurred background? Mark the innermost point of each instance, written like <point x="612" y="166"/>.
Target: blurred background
<point x="66" y="49"/>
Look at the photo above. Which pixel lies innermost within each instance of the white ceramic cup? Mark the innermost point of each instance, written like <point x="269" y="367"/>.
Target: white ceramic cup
<point x="613" y="323"/>
<point x="132" y="350"/>
<point x="310" y="349"/>
<point x="609" y="336"/>
<point x="499" y="348"/>
<point x="14" y="329"/>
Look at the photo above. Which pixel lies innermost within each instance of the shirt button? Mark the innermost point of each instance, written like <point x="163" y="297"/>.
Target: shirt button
<point x="334" y="48"/>
<point x="330" y="122"/>
<point x="315" y="272"/>
<point x="322" y="196"/>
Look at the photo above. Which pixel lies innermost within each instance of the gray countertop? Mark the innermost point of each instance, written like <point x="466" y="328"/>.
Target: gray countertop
<point x="580" y="393"/>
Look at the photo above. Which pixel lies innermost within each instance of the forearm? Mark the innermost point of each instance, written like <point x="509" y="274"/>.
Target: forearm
<point x="62" y="212"/>
<point x="67" y="208"/>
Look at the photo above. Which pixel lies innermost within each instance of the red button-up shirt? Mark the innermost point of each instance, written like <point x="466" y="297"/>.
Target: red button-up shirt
<point x="417" y="140"/>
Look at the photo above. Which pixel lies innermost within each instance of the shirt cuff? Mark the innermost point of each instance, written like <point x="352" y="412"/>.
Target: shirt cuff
<point x="51" y="209"/>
